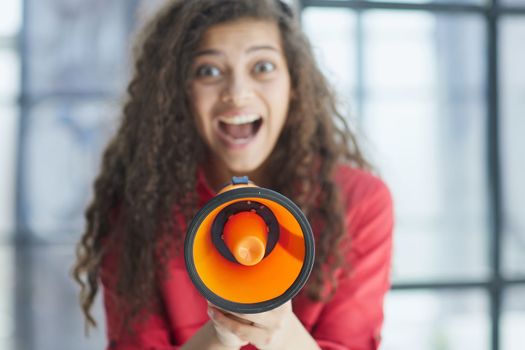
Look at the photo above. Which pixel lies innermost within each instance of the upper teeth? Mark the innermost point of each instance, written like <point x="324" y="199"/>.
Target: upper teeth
<point x="239" y="119"/>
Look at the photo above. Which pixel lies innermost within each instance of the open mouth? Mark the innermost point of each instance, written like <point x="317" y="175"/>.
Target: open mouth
<point x="239" y="129"/>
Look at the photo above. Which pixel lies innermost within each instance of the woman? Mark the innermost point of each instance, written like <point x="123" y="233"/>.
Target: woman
<point x="223" y="88"/>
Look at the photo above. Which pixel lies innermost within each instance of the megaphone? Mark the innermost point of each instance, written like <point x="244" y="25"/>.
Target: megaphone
<point x="249" y="249"/>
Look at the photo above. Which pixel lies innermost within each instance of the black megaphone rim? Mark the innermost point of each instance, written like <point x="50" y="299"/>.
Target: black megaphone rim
<point x="240" y="193"/>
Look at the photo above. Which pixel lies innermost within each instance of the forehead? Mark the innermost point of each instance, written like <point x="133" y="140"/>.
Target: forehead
<point x="241" y="34"/>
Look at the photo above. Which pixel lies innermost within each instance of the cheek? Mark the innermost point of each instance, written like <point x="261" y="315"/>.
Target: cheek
<point x="201" y="103"/>
<point x="280" y="107"/>
<point x="278" y="93"/>
<point x="281" y="92"/>
<point x="197" y="99"/>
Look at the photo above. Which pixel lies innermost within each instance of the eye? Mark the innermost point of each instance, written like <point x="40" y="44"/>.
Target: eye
<point x="263" y="67"/>
<point x="207" y="71"/>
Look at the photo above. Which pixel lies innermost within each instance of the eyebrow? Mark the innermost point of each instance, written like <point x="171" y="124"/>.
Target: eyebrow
<point x="262" y="47"/>
<point x="251" y="49"/>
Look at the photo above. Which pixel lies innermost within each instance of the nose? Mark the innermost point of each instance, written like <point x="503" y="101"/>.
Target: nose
<point x="238" y="89"/>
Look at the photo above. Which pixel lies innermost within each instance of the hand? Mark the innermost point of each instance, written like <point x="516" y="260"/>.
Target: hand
<point x="224" y="335"/>
<point x="265" y="330"/>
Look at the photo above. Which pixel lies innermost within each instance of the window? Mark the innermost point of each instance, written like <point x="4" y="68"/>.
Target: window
<point x="9" y="91"/>
<point x="435" y="88"/>
<point x="420" y="80"/>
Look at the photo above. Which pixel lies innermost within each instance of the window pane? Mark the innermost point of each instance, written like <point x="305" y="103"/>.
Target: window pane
<point x="435" y="1"/>
<point x="513" y="2"/>
<point x="8" y="144"/>
<point x="426" y="320"/>
<point x="50" y="308"/>
<point x="432" y="1"/>
<point x="10" y="17"/>
<point x="424" y="111"/>
<point x="334" y="46"/>
<point x="10" y="75"/>
<point x="512" y="141"/>
<point x="7" y="302"/>
<point x="63" y="143"/>
<point x="76" y="45"/>
<point x="513" y="320"/>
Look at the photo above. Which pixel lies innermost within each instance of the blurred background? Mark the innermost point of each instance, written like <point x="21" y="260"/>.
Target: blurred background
<point x="436" y="89"/>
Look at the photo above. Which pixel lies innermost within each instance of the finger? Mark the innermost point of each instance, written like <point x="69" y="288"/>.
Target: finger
<point x="244" y="331"/>
<point x="269" y="320"/>
<point x="237" y="316"/>
<point x="224" y="335"/>
<point x="242" y="318"/>
<point x="216" y="313"/>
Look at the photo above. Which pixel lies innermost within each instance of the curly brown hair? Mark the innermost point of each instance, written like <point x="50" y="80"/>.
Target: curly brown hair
<point x="149" y="167"/>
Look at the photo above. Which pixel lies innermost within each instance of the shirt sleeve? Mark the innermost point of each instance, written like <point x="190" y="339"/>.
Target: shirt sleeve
<point x="352" y="319"/>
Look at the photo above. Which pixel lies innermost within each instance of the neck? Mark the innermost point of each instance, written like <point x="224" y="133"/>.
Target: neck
<point x="218" y="175"/>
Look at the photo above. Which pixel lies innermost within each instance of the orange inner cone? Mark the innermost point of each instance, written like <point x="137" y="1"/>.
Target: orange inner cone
<point x="246" y="235"/>
<point x="266" y="280"/>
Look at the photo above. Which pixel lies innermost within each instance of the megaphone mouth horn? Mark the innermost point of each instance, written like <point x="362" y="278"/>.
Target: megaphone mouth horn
<point x="240" y="287"/>
<point x="260" y="209"/>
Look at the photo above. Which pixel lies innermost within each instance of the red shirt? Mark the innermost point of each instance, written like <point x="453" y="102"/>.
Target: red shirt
<point x="352" y="319"/>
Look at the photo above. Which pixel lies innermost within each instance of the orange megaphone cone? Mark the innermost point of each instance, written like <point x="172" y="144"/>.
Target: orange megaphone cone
<point x="245" y="235"/>
<point x="249" y="249"/>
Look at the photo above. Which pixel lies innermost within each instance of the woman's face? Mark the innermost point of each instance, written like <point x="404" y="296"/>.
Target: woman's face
<point x="240" y="93"/>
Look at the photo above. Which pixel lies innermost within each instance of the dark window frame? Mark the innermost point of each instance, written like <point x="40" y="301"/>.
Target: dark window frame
<point x="495" y="285"/>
